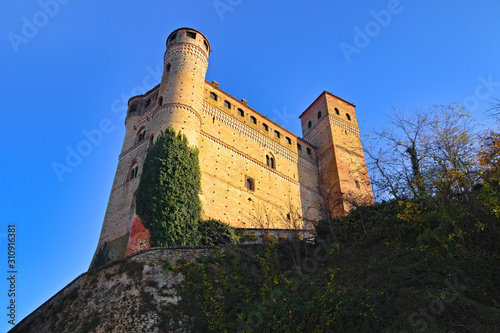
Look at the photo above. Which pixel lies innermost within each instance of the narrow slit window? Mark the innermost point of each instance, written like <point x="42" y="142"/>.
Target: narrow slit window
<point x="309" y="124"/>
<point x="270" y="161"/>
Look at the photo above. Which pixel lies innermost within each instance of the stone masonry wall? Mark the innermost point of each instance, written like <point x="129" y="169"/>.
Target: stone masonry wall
<point x="127" y="295"/>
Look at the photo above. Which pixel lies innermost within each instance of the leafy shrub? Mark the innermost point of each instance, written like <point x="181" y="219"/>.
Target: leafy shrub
<point x="215" y="232"/>
<point x="167" y="198"/>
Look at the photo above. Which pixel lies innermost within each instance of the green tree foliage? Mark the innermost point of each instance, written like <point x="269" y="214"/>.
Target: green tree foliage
<point x="215" y="232"/>
<point x="167" y="198"/>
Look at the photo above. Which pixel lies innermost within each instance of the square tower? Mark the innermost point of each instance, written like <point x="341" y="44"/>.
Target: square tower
<point x="330" y="124"/>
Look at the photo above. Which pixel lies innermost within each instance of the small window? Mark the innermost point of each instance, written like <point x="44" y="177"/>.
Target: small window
<point x="308" y="151"/>
<point x="348" y="116"/>
<point x="265" y="127"/>
<point x="206" y="44"/>
<point x="227" y="104"/>
<point x="288" y="216"/>
<point x="319" y="115"/>
<point x="133" y="172"/>
<point x="213" y="96"/>
<point x="337" y="111"/>
<point x="191" y="34"/>
<point x="241" y="112"/>
<point x="173" y="37"/>
<point x="253" y="120"/>
<point x="132" y="204"/>
<point x="270" y="161"/>
<point x="288" y="140"/>
<point x="160" y="101"/>
<point x="299" y="146"/>
<point x="277" y="134"/>
<point x="148" y="102"/>
<point x="168" y="67"/>
<point x="309" y="124"/>
<point x="141" y="135"/>
<point x="151" y="139"/>
<point x="133" y="108"/>
<point x="250" y="183"/>
<point x="357" y="184"/>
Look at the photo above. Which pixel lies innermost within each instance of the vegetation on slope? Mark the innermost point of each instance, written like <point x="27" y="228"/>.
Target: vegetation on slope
<point x="424" y="260"/>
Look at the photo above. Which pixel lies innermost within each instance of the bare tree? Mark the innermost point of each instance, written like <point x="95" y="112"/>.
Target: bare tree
<point x="424" y="153"/>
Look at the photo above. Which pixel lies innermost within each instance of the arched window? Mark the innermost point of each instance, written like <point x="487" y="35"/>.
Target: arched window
<point x="168" y="67"/>
<point x="249" y="183"/>
<point x="308" y="151"/>
<point x="265" y="127"/>
<point x="348" y="116"/>
<point x="241" y="113"/>
<point x="270" y="161"/>
<point x="337" y="111"/>
<point x="253" y="120"/>
<point x="213" y="96"/>
<point x="227" y="104"/>
<point x="319" y="115"/>
<point x="160" y="100"/>
<point x="133" y="172"/>
<point x="309" y="124"/>
<point x="141" y="135"/>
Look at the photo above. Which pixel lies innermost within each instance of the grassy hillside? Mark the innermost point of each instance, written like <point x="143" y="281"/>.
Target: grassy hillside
<point x="414" y="266"/>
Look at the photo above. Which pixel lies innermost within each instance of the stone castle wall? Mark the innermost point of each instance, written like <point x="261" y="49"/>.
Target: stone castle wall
<point x="254" y="172"/>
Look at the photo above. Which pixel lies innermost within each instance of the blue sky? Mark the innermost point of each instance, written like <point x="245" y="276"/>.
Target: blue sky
<point x="68" y="66"/>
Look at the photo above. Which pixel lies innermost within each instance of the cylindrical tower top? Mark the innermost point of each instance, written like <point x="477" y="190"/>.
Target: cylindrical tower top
<point x="191" y="36"/>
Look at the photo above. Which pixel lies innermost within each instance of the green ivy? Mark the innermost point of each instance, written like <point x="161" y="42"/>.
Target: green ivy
<point x="167" y="198"/>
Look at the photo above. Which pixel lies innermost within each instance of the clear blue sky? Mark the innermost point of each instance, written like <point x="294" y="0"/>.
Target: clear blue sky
<point x="78" y="65"/>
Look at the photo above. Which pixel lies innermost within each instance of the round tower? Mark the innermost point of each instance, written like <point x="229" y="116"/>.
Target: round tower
<point x="182" y="84"/>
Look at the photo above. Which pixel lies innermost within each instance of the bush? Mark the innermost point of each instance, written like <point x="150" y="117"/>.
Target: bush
<point x="215" y="232"/>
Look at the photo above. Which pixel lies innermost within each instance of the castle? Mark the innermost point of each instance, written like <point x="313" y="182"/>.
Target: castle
<point x="254" y="172"/>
